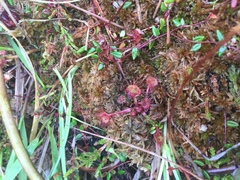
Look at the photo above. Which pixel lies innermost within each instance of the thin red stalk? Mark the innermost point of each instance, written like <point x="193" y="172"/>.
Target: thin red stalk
<point x="118" y="11"/>
<point x="94" y="15"/>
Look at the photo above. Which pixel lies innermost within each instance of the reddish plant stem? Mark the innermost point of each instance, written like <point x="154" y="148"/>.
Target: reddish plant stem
<point x="94" y="15"/>
<point x="118" y="11"/>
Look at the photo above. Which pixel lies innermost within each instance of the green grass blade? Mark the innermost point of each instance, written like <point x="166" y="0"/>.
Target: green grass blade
<point x="13" y="168"/>
<point x="21" y="53"/>
<point x="64" y="124"/>
<point x="54" y="151"/>
<point x="23" y="132"/>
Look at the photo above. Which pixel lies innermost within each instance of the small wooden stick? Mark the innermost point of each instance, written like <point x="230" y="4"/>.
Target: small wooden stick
<point x="156" y="10"/>
<point x="139" y="11"/>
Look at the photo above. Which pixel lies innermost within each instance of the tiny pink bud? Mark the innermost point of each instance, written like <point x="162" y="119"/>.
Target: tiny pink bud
<point x="121" y="99"/>
<point x="2" y="52"/>
<point x="133" y="113"/>
<point x="151" y="82"/>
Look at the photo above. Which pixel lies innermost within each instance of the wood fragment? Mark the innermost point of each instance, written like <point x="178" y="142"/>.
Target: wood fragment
<point x="157" y="8"/>
<point x="139" y="11"/>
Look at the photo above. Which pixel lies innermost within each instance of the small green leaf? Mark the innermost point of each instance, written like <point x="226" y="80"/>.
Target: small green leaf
<point x="162" y="23"/>
<point x="127" y="4"/>
<point x="195" y="47"/>
<point x="205" y="174"/>
<point x="219" y="35"/>
<point x="198" y="38"/>
<point x="226" y="146"/>
<point x="91" y="50"/>
<point x="121" y="172"/>
<point x="182" y="22"/>
<point x="152" y="130"/>
<point x="189" y="70"/>
<point x="112" y="157"/>
<point x="122" y="33"/>
<point x="176" y="22"/>
<point x="163" y="7"/>
<point x="221" y="50"/>
<point x="155" y="31"/>
<point x="96" y="44"/>
<point x="122" y="157"/>
<point x="232" y="124"/>
<point x="114" y="48"/>
<point x="212" y="151"/>
<point x="27" y="9"/>
<point x="168" y="1"/>
<point x="116" y="54"/>
<point x="11" y="2"/>
<point x="81" y="127"/>
<point x="94" y="56"/>
<point x="100" y="66"/>
<point x="109" y="175"/>
<point x="135" y="53"/>
<point x="200" y="163"/>
<point x="73" y="123"/>
<point x="150" y="45"/>
<point x="79" y="136"/>
<point x="82" y="49"/>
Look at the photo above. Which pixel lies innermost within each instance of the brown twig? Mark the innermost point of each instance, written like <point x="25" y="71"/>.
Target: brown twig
<point x="95" y="2"/>
<point x="139" y="11"/>
<point x="168" y="31"/>
<point x="156" y="10"/>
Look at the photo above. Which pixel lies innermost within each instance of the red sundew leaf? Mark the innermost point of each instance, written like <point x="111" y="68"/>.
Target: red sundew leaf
<point x="105" y="118"/>
<point x="136" y="36"/>
<point x="133" y="91"/>
<point x="151" y="82"/>
<point x="145" y="103"/>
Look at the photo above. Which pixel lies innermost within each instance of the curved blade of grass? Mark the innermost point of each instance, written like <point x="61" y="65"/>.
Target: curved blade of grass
<point x="168" y="154"/>
<point x="86" y="123"/>
<point x="21" y="53"/>
<point x="14" y="167"/>
<point x="64" y="124"/>
<point x="54" y="151"/>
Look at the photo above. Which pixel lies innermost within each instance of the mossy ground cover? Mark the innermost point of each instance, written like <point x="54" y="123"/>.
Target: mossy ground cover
<point x="114" y="68"/>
